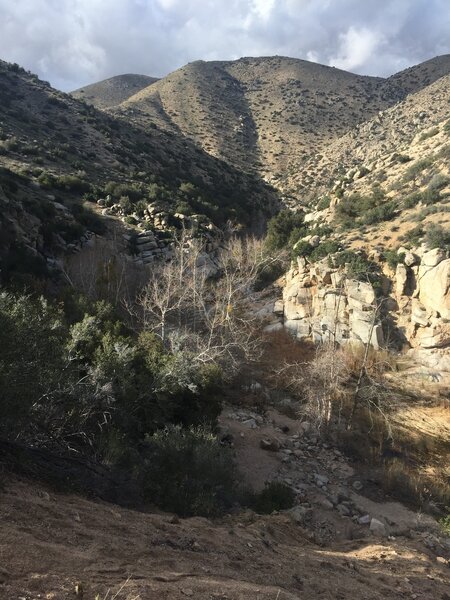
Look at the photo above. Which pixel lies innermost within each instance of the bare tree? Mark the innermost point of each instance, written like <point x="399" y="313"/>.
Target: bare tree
<point x="201" y="306"/>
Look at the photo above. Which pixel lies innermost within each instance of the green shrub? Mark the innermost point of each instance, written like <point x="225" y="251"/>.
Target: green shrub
<point x="437" y="237"/>
<point x="280" y="228"/>
<point x="72" y="183"/>
<point x="384" y="212"/>
<point x="393" y="258"/>
<point x="188" y="472"/>
<point x="357" y="264"/>
<point x="275" y="496"/>
<point x="416" y="168"/>
<point x="323" y="203"/>
<point x="401" y="158"/>
<point x="413" y="236"/>
<point x="445" y="522"/>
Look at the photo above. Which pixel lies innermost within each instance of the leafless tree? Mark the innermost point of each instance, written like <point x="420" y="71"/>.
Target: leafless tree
<point x="202" y="307"/>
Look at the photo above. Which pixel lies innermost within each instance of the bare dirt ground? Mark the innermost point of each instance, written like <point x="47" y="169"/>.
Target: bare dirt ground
<point x="53" y="546"/>
<point x="56" y="547"/>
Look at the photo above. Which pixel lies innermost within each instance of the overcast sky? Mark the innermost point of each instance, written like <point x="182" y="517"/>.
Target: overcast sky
<point x="74" y="42"/>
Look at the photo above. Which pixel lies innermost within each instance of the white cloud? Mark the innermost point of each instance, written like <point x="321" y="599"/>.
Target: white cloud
<point x="73" y="42"/>
<point x="356" y="47"/>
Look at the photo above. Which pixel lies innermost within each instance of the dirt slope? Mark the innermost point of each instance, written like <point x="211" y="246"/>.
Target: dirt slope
<point x="51" y="543"/>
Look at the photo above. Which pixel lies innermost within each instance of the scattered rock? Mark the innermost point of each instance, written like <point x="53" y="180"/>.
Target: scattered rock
<point x="270" y="444"/>
<point x="321" y="480"/>
<point x="343" y="510"/>
<point x="364" y="520"/>
<point x="378" y="528"/>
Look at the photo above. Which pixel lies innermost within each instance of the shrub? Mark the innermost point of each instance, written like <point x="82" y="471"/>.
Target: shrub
<point x="414" y="235"/>
<point x="323" y="203"/>
<point x="393" y="258"/>
<point x="445" y="522"/>
<point x="73" y="183"/>
<point x="31" y="362"/>
<point x="416" y="168"/>
<point x="429" y="134"/>
<point x="189" y="472"/>
<point x="280" y="228"/>
<point x="358" y="265"/>
<point x="437" y="237"/>
<point x="275" y="496"/>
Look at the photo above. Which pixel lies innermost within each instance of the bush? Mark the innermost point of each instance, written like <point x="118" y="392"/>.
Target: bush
<point x="393" y="258"/>
<point x="280" y="228"/>
<point x="323" y="203"/>
<point x="275" y="496"/>
<point x="437" y="237"/>
<point x="189" y="472"/>
<point x="31" y="361"/>
<point x="416" y="168"/>
<point x="73" y="183"/>
<point x="445" y="522"/>
<point x="358" y="265"/>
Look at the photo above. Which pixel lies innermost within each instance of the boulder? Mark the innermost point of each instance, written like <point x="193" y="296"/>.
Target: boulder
<point x="361" y="291"/>
<point x="434" y="288"/>
<point x="437" y="335"/>
<point x="378" y="528"/>
<point x="433" y="257"/>
<point x="410" y="259"/>
<point x="270" y="444"/>
<point x="401" y="280"/>
<point x="278" y="308"/>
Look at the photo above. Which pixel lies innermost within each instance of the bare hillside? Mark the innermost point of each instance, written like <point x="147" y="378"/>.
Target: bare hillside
<point x="111" y="92"/>
<point x="260" y="113"/>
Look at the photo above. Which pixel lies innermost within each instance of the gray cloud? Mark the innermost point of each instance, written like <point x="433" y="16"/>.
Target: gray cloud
<point x="74" y="42"/>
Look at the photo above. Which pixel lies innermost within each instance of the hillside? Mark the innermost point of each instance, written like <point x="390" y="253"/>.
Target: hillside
<point x="57" y="152"/>
<point x="260" y="113"/>
<point x="270" y="115"/>
<point x="391" y="131"/>
<point x="113" y="91"/>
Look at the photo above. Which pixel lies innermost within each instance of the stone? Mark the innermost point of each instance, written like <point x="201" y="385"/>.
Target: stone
<point x="343" y="510"/>
<point x="433" y="257"/>
<point x="401" y="280"/>
<point x="305" y="426"/>
<point x="250" y="423"/>
<point x="434" y="288"/>
<point x="300" y="514"/>
<point x="364" y="520"/>
<point x="361" y="291"/>
<point x="435" y="336"/>
<point x="272" y="445"/>
<point x="321" y="480"/>
<point x="377" y="527"/>
<point x="278" y="308"/>
<point x="411" y="259"/>
<point x="325" y="503"/>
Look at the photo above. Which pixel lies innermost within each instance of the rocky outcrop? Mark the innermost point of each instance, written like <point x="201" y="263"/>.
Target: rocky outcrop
<point x="322" y="303"/>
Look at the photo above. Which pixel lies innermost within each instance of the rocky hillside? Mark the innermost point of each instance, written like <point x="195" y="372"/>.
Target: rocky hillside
<point x="113" y="91"/>
<point x="273" y="114"/>
<point x="57" y="153"/>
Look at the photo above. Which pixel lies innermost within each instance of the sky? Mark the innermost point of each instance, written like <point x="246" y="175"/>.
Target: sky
<point x="74" y="42"/>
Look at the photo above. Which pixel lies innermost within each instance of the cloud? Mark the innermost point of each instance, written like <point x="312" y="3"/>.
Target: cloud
<point x="356" y="48"/>
<point x="73" y="42"/>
